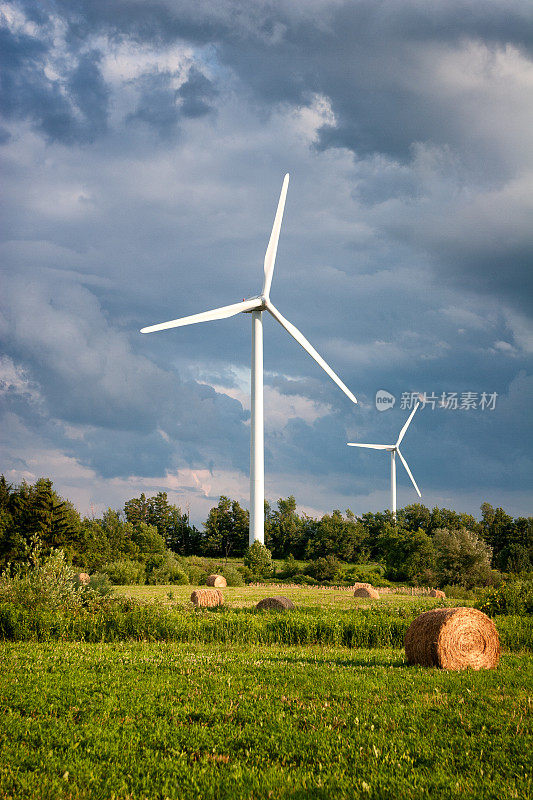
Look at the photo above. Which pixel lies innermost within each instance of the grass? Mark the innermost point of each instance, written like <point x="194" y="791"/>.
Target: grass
<point x="158" y="700"/>
<point x="155" y="720"/>
<point x="302" y="596"/>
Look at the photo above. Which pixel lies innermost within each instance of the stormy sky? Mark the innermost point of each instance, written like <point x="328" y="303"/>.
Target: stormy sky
<point x="143" y="147"/>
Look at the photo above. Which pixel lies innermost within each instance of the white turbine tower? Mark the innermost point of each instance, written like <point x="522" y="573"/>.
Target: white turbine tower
<point x="256" y="306"/>
<point x="393" y="449"/>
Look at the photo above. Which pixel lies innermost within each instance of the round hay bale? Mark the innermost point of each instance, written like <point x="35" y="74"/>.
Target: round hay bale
<point x="366" y="591"/>
<point x="437" y="593"/>
<point x="207" y="598"/>
<point x="453" y="638"/>
<point x="275" y="604"/>
<point x="216" y="580"/>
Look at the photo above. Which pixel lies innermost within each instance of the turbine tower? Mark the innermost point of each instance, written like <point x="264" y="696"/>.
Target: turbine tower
<point x="255" y="306"/>
<point x="393" y="449"/>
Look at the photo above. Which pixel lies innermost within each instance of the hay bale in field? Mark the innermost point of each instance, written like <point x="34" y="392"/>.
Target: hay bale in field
<point x="216" y="580"/>
<point x="207" y="598"/>
<point x="275" y="604"/>
<point x="83" y="578"/>
<point x="453" y="638"/>
<point x="366" y="591"/>
<point x="437" y="593"/>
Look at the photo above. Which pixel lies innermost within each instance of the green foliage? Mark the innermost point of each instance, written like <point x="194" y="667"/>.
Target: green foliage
<point x="226" y="529"/>
<point x="513" y="597"/>
<point x="462" y="557"/>
<point x="166" y="568"/>
<point x="336" y="535"/>
<point x="196" y="575"/>
<point x="290" y="567"/>
<point x="125" y="571"/>
<point x="171" y="524"/>
<point x="46" y="582"/>
<point x="414" y="547"/>
<point x="324" y="570"/>
<point x="34" y="513"/>
<point x="409" y="555"/>
<point x="258" y="559"/>
<point x="456" y="592"/>
<point x="100" y="584"/>
<point x="232" y="575"/>
<point x="284" y="529"/>
<point x="116" y="621"/>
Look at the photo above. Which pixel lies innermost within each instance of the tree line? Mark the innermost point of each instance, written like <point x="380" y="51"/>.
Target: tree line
<point x="150" y="534"/>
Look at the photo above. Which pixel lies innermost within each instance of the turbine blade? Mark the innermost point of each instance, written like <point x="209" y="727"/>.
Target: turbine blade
<point x="300" y="338"/>
<point x="410" y="417"/>
<point x="270" y="255"/>
<point x="404" y="462"/>
<point x="206" y="316"/>
<point x="372" y="446"/>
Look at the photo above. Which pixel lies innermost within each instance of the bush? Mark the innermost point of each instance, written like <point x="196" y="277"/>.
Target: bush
<point x="166" y="569"/>
<point x="455" y="592"/>
<point x="196" y="575"/>
<point x="125" y="572"/>
<point x="514" y="597"/>
<point x="324" y="569"/>
<point x="258" y="559"/>
<point x="232" y="575"/>
<point x="47" y="583"/>
<point x="100" y="584"/>
<point x="290" y="567"/>
<point x="463" y="556"/>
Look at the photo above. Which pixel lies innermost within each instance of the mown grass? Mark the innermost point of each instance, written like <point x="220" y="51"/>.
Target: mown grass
<point x="302" y="596"/>
<point x="155" y="720"/>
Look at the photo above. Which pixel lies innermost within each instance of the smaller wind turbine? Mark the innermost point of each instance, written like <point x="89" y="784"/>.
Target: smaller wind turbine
<point x="393" y="449"/>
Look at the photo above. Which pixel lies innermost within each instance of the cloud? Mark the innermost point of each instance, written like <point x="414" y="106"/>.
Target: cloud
<point x="143" y="150"/>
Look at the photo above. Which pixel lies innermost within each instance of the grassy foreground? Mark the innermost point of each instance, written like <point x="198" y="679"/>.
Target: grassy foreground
<point x="168" y="720"/>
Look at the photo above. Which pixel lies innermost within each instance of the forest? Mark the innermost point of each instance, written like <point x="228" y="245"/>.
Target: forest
<point x="151" y="541"/>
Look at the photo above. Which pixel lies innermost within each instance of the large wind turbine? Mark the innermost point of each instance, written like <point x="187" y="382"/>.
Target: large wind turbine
<point x="256" y="306"/>
<point x="393" y="449"/>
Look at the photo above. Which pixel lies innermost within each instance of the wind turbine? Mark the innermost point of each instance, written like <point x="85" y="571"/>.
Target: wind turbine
<point x="256" y="306"/>
<point x="393" y="449"/>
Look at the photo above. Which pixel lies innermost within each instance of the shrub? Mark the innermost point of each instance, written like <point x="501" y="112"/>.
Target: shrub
<point x="232" y="575"/>
<point x="258" y="559"/>
<point x="166" y="569"/>
<point x="324" y="569"/>
<point x="125" y="571"/>
<point x="46" y="582"/>
<point x="290" y="567"/>
<point x="196" y="575"/>
<point x="100" y="584"/>
<point x="461" y="555"/>
<point x="455" y="592"/>
<point x="514" y="597"/>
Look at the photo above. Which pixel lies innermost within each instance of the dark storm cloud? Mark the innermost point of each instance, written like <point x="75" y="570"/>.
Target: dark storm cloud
<point x="162" y="107"/>
<point x="84" y="373"/>
<point x="413" y="182"/>
<point x="70" y="109"/>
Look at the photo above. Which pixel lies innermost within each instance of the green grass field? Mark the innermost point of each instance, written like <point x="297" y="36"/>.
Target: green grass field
<point x="238" y="719"/>
<point x="302" y="596"/>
